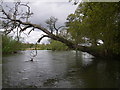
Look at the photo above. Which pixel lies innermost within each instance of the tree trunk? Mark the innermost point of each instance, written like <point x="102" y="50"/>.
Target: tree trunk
<point x="70" y="44"/>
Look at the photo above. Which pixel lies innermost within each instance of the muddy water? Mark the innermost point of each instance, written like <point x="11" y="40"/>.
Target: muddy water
<point x="59" y="69"/>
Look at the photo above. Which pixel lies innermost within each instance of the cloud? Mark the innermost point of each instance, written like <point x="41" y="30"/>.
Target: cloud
<point x="29" y="38"/>
<point x="34" y="36"/>
<point x="37" y="0"/>
<point x="42" y="10"/>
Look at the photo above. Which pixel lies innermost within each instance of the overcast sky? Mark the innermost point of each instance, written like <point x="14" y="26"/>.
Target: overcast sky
<point x="43" y="9"/>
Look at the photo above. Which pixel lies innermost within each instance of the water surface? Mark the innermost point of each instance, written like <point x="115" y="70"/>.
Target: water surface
<point x="59" y="69"/>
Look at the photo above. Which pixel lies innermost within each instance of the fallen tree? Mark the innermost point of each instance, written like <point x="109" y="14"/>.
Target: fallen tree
<point x="14" y="19"/>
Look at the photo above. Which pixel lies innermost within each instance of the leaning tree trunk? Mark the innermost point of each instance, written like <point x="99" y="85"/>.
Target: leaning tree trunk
<point x="90" y="50"/>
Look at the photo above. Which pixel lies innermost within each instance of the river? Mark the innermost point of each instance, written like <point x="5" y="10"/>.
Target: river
<point x="59" y="69"/>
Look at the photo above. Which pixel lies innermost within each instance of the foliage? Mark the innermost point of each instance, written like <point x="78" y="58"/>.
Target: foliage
<point x="10" y="45"/>
<point x="43" y="47"/>
<point x="56" y="45"/>
<point x="96" y="21"/>
<point x="91" y="23"/>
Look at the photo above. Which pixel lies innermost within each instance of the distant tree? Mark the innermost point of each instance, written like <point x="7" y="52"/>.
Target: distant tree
<point x="51" y="23"/>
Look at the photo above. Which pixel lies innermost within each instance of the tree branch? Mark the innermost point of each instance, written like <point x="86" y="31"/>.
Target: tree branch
<point x="42" y="38"/>
<point x="25" y="28"/>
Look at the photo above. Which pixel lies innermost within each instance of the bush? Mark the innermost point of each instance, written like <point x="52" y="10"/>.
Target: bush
<point x="9" y="45"/>
<point x="56" y="45"/>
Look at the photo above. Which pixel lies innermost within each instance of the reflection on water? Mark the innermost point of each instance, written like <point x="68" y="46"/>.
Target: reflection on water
<point x="60" y="69"/>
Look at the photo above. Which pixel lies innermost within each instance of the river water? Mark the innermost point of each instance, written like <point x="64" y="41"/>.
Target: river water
<point x="59" y="69"/>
